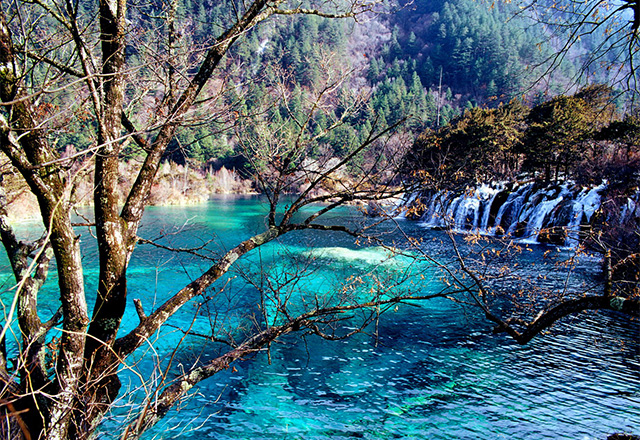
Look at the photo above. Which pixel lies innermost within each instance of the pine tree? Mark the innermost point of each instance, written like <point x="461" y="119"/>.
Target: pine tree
<point x="373" y="73"/>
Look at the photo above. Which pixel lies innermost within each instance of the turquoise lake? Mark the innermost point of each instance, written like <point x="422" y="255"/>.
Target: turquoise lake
<point x="433" y="371"/>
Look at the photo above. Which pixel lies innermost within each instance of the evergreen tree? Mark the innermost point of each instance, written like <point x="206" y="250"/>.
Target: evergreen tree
<point x="554" y="134"/>
<point x="373" y="73"/>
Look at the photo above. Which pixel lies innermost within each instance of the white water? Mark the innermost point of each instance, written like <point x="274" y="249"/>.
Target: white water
<point x="466" y="212"/>
<point x="522" y="211"/>
<point x="536" y="213"/>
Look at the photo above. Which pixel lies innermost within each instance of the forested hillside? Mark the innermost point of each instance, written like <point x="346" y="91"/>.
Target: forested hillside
<point x="483" y="53"/>
<point x="427" y="61"/>
<point x="306" y="79"/>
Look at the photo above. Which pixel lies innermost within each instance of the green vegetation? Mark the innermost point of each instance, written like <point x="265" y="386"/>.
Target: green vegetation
<point x="428" y="62"/>
<point x="578" y="137"/>
<point x="484" y="54"/>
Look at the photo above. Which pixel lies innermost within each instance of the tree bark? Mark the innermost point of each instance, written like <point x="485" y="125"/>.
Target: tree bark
<point x="628" y="306"/>
<point x="29" y="153"/>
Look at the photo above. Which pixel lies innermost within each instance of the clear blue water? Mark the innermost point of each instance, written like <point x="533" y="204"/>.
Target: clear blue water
<point x="429" y="372"/>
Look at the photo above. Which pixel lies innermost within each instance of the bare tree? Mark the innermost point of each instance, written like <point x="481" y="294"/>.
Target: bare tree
<point x="526" y="299"/>
<point x="603" y="36"/>
<point x="60" y="68"/>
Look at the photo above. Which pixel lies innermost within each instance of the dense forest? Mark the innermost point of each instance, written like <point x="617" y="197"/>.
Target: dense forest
<point x="428" y="61"/>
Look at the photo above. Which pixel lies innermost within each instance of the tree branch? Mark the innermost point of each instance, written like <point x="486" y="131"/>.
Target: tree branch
<point x="628" y="306"/>
<point x="310" y="320"/>
<point x="134" y="205"/>
<point x="130" y="342"/>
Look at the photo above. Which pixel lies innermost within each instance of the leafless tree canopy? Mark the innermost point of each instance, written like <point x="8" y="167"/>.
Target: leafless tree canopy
<point x="64" y="63"/>
<point x="604" y="35"/>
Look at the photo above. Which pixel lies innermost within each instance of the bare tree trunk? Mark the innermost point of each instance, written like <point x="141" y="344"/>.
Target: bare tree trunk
<point x="85" y="380"/>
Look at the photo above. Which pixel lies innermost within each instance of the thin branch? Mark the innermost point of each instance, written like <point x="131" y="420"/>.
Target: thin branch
<point x="192" y="251"/>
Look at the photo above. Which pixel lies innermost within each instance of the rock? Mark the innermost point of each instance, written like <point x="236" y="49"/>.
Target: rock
<point x="623" y="437"/>
<point x="560" y="215"/>
<point x="498" y="201"/>
<point x="521" y="228"/>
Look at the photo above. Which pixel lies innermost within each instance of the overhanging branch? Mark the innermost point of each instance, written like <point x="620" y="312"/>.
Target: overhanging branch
<point x="545" y="320"/>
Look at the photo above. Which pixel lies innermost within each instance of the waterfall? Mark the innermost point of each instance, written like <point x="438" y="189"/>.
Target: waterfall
<point x="537" y="212"/>
<point x="486" y="215"/>
<point x="512" y="205"/>
<point x="469" y="211"/>
<point x="585" y="205"/>
<point x="530" y="212"/>
<point x="631" y="209"/>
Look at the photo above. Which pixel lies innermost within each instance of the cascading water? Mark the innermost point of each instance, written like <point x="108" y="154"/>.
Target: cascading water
<point x="538" y="210"/>
<point x="466" y="212"/>
<point x="631" y="209"/>
<point x="584" y="207"/>
<point x="508" y="211"/>
<point x="531" y="212"/>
